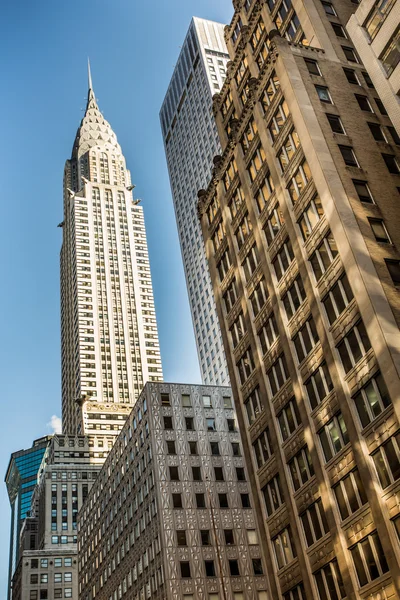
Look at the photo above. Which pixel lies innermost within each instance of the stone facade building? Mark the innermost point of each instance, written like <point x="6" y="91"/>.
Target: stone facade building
<point x="302" y="232"/>
<point x="191" y="140"/>
<point x="171" y="514"/>
<point x="375" y="31"/>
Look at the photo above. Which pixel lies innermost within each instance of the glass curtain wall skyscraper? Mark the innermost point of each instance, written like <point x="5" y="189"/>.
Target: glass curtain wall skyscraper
<point x="191" y="140"/>
<point x="109" y="333"/>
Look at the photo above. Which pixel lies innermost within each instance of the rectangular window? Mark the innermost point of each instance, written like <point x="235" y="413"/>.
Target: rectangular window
<point x="296" y="593"/>
<point x="181" y="537"/>
<point x="377" y="16"/>
<point x="350" y="494"/>
<point x="224" y="265"/>
<point x="271" y="89"/>
<point x="230" y="296"/>
<point x="351" y="76"/>
<point x="200" y="500"/>
<point x="333" y="436"/>
<point x="329" y="582"/>
<point x="348" y="156"/>
<point x="273" y="224"/>
<point x="196" y="473"/>
<point x="259" y="297"/>
<point x="278" y="119"/>
<point x="223" y="500"/>
<point x="277" y="375"/>
<point x="329" y="10"/>
<point x="323" y="94"/>
<point x="249" y="135"/>
<point x="246" y="365"/>
<point x="256" y="162"/>
<point x="214" y="446"/>
<point x="390" y="57"/>
<point x="369" y="559"/>
<point x="381" y="106"/>
<point x="288" y="149"/>
<point x="185" y="570"/>
<point x="393" y="267"/>
<point x="289" y="419"/>
<point x="339" y="31"/>
<point x="268" y="334"/>
<point x="243" y="231"/>
<point x="310" y="217"/>
<point x="299" y="181"/>
<point x="387" y="461"/>
<point x="236" y="201"/>
<point x="301" y="468"/>
<point x="350" y="54"/>
<point x="253" y="406"/>
<point x="264" y="192"/>
<point x="283" y="259"/>
<point x="319" y="385"/>
<point x="312" y="66"/>
<point x="377" y="132"/>
<point x="305" y="340"/>
<point x="193" y="448"/>
<point x="262" y="448"/>
<point x="363" y="191"/>
<point x="237" y="330"/>
<point x="273" y="496"/>
<point x="284" y="548"/>
<point x="337" y="299"/>
<point x="230" y="174"/>
<point x="324" y="255"/>
<point x="205" y="537"/>
<point x="335" y="123"/>
<point x="394" y="134"/>
<point x="391" y="163"/>
<point x="354" y="346"/>
<point x="294" y="297"/>
<point x="171" y="447"/>
<point x="314" y="522"/>
<point x="177" y="500"/>
<point x="250" y="262"/>
<point x="379" y="230"/>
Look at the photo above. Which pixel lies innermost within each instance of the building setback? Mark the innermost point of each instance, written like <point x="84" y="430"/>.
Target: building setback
<point x="374" y="30"/>
<point x="171" y="513"/>
<point x="21" y="478"/>
<point x="109" y="333"/>
<point x="304" y="201"/>
<point x="191" y="140"/>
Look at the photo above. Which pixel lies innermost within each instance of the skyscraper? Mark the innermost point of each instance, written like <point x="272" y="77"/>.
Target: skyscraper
<point x="191" y="140"/>
<point x="109" y="333"/>
<point x="304" y="204"/>
<point x="21" y="479"/>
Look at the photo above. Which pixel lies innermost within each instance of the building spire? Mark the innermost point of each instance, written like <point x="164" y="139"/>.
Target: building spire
<point x="89" y="75"/>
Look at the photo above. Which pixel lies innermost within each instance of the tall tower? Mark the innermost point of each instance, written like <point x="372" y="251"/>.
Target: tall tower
<point x="191" y="140"/>
<point x="109" y="333"/>
<point x="304" y="205"/>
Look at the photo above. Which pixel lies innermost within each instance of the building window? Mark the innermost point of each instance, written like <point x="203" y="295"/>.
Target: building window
<point x="236" y="449"/>
<point x="234" y="568"/>
<point x="264" y="192"/>
<point x="350" y="494"/>
<point x="278" y="119"/>
<point x="257" y="566"/>
<point x="257" y="160"/>
<point x="329" y="582"/>
<point x="165" y="400"/>
<point x="369" y="559"/>
<point x="250" y="262"/>
<point x="168" y="423"/>
<point x="393" y="267"/>
<point x="237" y="330"/>
<point x="377" y="16"/>
<point x="283" y="259"/>
<point x="348" y="156"/>
<point x="337" y="299"/>
<point x="294" y="297"/>
<point x="223" y="500"/>
<point x="319" y="385"/>
<point x="259" y="297"/>
<point x="189" y="423"/>
<point x="246" y="365"/>
<point x="363" y="191"/>
<point x="229" y="537"/>
<point x="335" y="123"/>
<point x="253" y="406"/>
<point x="205" y="537"/>
<point x="230" y="296"/>
<point x="262" y="448"/>
<point x="209" y="568"/>
<point x="312" y="66"/>
<point x="243" y="231"/>
<point x="299" y="181"/>
<point x="339" y="31"/>
<point x="390" y="57"/>
<point x="351" y="76"/>
<point x="350" y="54"/>
<point x="377" y="132"/>
<point x="314" y="522"/>
<point x="391" y="163"/>
<point x="171" y="447"/>
<point x="379" y="230"/>
<point x="364" y="103"/>
<point x="268" y="334"/>
<point x="333" y="436"/>
<point x="185" y="570"/>
<point x="387" y="461"/>
<point x="219" y="474"/>
<point x="289" y="419"/>
<point x="181" y="537"/>
<point x="296" y="593"/>
<point x="245" y="499"/>
<point x="381" y="106"/>
<point x="394" y="134"/>
<point x="271" y="89"/>
<point x="174" y="473"/>
<point x="277" y="375"/>
<point x="301" y="468"/>
<point x="324" y="255"/>
<point x="236" y="201"/>
<point x="249" y="135"/>
<point x="196" y="473"/>
<point x="200" y="500"/>
<point x="354" y="346"/>
<point x="288" y="149"/>
<point x="214" y="446"/>
<point x="323" y="94"/>
<point x="284" y="548"/>
<point x="329" y="10"/>
<point x="305" y="340"/>
<point x="310" y="217"/>
<point x="273" y="496"/>
<point x="177" y="500"/>
<point x="273" y="224"/>
<point x="193" y="448"/>
<point x="224" y="265"/>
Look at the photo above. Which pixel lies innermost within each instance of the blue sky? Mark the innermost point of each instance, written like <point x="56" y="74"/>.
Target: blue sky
<point x="133" y="47"/>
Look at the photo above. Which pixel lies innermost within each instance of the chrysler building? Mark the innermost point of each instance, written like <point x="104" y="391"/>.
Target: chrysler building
<point x="110" y="346"/>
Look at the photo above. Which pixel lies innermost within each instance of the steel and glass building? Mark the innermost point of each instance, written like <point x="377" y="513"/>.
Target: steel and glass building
<point x="301" y="223"/>
<point x="21" y="478"/>
<point x="191" y="140"/>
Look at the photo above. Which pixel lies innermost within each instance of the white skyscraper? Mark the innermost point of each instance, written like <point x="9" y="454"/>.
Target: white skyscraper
<point x="191" y="140"/>
<point x="110" y="345"/>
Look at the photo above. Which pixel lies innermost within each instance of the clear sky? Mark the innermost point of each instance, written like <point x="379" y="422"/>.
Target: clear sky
<point x="133" y="47"/>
